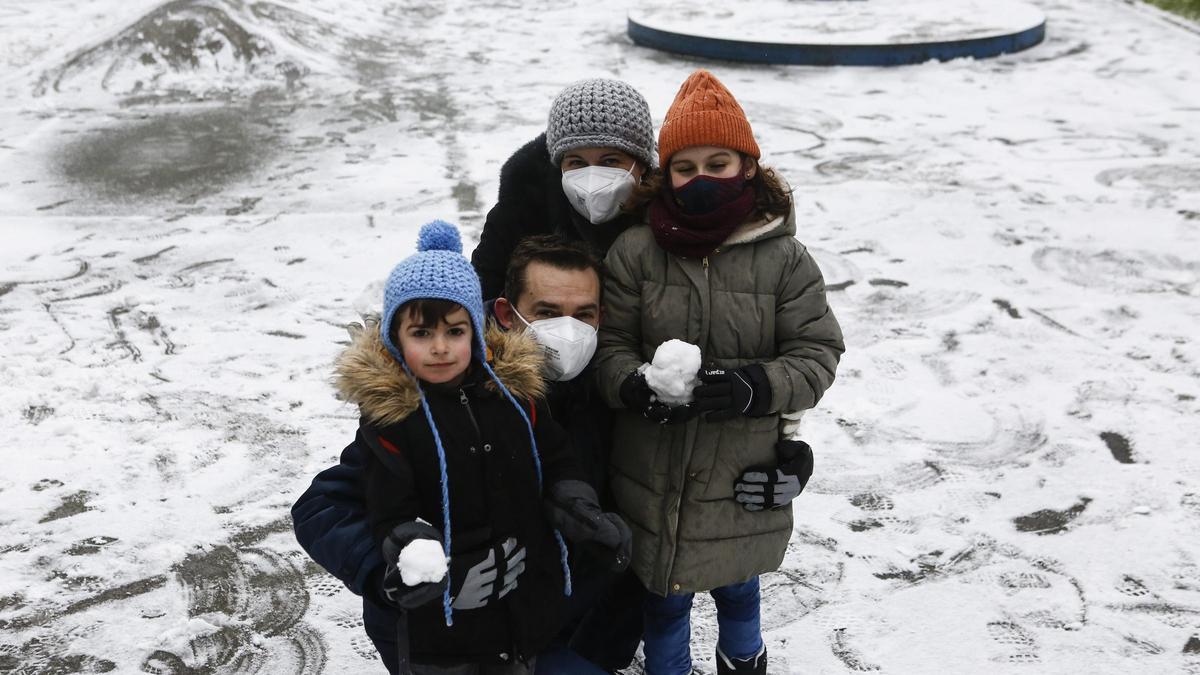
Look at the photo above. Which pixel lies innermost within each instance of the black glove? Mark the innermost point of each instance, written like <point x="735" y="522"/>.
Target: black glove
<point x="725" y="394"/>
<point x="573" y="508"/>
<point x="762" y="488"/>
<point x="395" y="591"/>
<point x="483" y="575"/>
<point x="639" y="397"/>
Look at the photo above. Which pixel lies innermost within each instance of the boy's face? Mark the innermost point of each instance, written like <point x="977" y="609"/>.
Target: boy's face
<point x="436" y="354"/>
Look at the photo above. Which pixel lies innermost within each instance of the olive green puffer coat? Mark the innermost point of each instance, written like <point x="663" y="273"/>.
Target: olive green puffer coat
<point x="760" y="298"/>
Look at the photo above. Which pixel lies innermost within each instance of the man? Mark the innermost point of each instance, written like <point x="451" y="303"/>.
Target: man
<point x="553" y="288"/>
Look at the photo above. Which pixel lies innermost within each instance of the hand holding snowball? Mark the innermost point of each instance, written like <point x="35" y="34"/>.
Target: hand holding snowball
<point x="415" y="569"/>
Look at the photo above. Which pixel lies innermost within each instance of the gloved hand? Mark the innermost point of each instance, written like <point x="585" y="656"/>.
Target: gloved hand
<point x="725" y="394"/>
<point x="618" y="541"/>
<point x="395" y="591"/>
<point x="573" y="507"/>
<point x="640" y="398"/>
<point x="762" y="488"/>
<point x="484" y="575"/>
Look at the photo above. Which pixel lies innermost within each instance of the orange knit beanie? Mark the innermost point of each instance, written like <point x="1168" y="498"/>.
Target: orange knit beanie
<point x="705" y="113"/>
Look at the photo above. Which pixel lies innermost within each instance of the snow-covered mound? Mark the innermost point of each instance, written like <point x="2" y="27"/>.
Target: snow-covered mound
<point x="198" y="49"/>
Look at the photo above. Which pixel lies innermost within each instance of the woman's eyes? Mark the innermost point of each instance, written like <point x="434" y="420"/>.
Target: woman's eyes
<point x="419" y="333"/>
<point x="458" y="332"/>
<point x="717" y="167"/>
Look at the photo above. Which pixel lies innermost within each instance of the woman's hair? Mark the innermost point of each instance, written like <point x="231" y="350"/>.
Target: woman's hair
<point x="772" y="197"/>
<point x="645" y="191"/>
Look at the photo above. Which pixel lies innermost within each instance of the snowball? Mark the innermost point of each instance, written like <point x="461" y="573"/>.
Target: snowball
<point x="672" y="374"/>
<point x="422" y="561"/>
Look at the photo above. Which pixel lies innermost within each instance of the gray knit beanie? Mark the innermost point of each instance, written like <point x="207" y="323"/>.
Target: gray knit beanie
<point x="601" y="113"/>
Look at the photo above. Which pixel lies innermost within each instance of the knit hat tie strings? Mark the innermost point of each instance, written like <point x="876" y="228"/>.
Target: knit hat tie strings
<point x="441" y="453"/>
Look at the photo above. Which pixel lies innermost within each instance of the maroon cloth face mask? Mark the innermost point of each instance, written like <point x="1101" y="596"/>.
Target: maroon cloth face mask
<point x="699" y="216"/>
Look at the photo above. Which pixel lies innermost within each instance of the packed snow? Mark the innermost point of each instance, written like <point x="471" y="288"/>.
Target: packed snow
<point x="422" y="561"/>
<point x="672" y="373"/>
<point x="1006" y="467"/>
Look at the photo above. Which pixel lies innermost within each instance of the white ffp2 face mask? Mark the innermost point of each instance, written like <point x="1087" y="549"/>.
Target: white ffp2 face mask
<point x="567" y="342"/>
<point x="597" y="192"/>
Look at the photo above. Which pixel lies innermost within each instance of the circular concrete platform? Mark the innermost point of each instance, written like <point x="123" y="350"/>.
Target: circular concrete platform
<point x="841" y="32"/>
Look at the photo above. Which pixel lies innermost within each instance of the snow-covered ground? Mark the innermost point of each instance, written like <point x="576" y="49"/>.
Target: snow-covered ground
<point x="1008" y="470"/>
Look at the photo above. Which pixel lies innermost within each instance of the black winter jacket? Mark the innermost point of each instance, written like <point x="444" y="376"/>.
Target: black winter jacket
<point x="493" y="487"/>
<point x="531" y="202"/>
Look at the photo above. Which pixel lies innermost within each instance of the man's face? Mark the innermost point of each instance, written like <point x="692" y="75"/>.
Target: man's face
<point x="551" y="292"/>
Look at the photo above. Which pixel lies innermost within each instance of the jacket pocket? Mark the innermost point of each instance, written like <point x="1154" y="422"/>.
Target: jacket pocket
<point x="737" y="445"/>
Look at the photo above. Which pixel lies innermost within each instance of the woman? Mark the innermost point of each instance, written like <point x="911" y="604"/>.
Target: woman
<point x="577" y="180"/>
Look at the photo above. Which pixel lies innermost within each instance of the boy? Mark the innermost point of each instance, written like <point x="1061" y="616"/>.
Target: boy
<point x="459" y="456"/>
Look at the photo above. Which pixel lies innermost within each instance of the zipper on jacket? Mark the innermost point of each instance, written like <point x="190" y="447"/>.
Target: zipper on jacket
<point x="462" y="398"/>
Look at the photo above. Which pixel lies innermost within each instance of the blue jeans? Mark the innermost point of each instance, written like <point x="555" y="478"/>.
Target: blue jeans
<point x="560" y="660"/>
<point x="669" y="630"/>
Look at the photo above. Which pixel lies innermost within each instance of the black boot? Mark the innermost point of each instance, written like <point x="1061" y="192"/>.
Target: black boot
<point x="755" y="665"/>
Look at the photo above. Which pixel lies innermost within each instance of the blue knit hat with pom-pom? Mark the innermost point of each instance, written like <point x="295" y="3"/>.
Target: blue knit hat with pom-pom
<point x="437" y="270"/>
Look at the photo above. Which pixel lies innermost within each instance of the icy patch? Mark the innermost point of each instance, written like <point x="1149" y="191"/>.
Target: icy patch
<point x="422" y="561"/>
<point x="672" y="373"/>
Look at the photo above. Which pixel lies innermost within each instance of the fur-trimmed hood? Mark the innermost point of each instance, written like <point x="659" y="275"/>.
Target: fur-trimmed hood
<point x="366" y="374"/>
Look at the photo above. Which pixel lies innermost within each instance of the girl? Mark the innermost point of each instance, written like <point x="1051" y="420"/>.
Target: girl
<point x="718" y="266"/>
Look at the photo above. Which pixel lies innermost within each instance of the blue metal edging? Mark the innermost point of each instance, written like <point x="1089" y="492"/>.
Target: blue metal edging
<point x="833" y="54"/>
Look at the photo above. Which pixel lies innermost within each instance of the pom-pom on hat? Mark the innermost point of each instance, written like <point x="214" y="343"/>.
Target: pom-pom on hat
<point x="600" y="113"/>
<point x="705" y="113"/>
<point x="437" y="270"/>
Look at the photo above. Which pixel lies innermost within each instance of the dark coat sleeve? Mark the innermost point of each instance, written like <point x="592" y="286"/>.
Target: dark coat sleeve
<point x="520" y="212"/>
<point x="330" y="520"/>
<point x="558" y="458"/>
